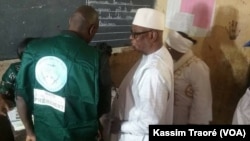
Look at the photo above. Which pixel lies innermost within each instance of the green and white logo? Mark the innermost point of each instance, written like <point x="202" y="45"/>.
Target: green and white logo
<point x="51" y="73"/>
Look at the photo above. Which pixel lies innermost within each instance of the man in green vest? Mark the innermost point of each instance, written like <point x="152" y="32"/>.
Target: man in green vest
<point x="59" y="81"/>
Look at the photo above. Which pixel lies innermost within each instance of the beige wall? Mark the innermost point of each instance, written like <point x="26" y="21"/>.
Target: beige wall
<point x="227" y="59"/>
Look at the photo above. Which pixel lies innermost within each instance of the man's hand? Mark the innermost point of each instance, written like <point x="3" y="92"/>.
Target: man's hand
<point x="30" y="138"/>
<point x="115" y="125"/>
<point x="3" y="106"/>
<point x="232" y="30"/>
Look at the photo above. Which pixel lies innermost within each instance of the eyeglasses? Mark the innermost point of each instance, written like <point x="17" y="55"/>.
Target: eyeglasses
<point x="136" y="34"/>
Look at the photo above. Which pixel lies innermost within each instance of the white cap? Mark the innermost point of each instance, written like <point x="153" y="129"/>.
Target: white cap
<point x="178" y="42"/>
<point x="149" y="18"/>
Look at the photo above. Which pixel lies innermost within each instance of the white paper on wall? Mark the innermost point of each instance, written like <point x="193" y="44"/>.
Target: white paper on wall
<point x="194" y="17"/>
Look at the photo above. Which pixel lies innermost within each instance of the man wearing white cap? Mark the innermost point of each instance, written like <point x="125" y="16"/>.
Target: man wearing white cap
<point x="192" y="88"/>
<point x="146" y="93"/>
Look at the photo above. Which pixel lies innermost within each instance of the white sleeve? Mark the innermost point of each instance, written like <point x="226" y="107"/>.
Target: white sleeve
<point x="242" y="111"/>
<point x="151" y="104"/>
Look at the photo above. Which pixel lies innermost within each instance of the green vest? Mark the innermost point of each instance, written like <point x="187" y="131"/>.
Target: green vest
<point x="58" y="79"/>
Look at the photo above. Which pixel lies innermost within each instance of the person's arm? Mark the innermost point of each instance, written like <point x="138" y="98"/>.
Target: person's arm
<point x="24" y="92"/>
<point x="25" y="116"/>
<point x="7" y="89"/>
<point x="152" y="100"/>
<point x="105" y="85"/>
<point x="241" y="114"/>
<point x="201" y="108"/>
<point x="3" y="106"/>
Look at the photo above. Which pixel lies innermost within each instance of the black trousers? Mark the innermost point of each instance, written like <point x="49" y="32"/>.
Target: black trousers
<point x="5" y="129"/>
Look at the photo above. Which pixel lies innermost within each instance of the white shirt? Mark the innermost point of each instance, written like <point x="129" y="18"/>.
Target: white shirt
<point x="146" y="95"/>
<point x="192" y="88"/>
<point x="242" y="111"/>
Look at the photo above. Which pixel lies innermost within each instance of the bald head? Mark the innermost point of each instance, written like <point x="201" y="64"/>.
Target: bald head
<point x="85" y="22"/>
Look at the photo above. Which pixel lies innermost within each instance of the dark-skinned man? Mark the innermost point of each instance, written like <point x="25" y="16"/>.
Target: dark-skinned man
<point x="59" y="81"/>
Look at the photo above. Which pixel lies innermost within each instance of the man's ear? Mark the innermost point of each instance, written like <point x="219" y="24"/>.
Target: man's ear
<point x="69" y="20"/>
<point x="154" y="35"/>
<point x="92" y="29"/>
